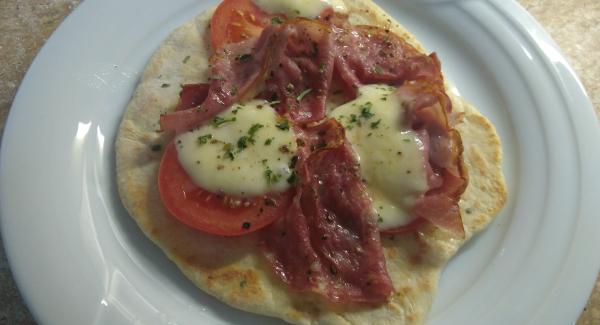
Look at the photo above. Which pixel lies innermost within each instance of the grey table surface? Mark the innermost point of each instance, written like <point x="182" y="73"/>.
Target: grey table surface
<point x="26" y="25"/>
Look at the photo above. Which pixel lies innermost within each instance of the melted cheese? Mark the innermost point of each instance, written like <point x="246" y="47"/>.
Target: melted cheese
<point x="390" y="154"/>
<point x="246" y="157"/>
<point x="302" y="8"/>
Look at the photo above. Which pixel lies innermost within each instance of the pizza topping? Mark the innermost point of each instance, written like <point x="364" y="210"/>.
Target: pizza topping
<point x="393" y="166"/>
<point x="427" y="108"/>
<point x="300" y="70"/>
<point x="232" y="80"/>
<point x="236" y="20"/>
<point x="192" y="95"/>
<point x="328" y="242"/>
<point x="305" y="8"/>
<point x="215" y="212"/>
<point x="368" y="55"/>
<point x="229" y="156"/>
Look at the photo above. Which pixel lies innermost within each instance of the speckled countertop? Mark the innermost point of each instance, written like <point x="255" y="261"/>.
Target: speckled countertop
<point x="574" y="25"/>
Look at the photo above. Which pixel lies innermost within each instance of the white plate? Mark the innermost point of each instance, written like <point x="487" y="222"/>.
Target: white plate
<point x="78" y="258"/>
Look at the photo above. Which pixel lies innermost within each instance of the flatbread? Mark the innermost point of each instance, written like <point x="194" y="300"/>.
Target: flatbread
<point x="233" y="269"/>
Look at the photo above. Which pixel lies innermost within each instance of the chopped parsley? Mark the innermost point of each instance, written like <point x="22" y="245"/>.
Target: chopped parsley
<point x="203" y="139"/>
<point x="304" y="93"/>
<point x="365" y="110"/>
<point x="229" y="154"/>
<point x="253" y="129"/>
<point x="244" y="57"/>
<point x="245" y="225"/>
<point x="271" y="176"/>
<point x="217" y="121"/>
<point x="293" y="178"/>
<point x="164" y="85"/>
<point x="276" y="20"/>
<point x="269" y="141"/>
<point x="283" y="125"/>
<point x="242" y="142"/>
<point x="375" y="124"/>
<point x="156" y="147"/>
<point x="187" y="58"/>
<point x="322" y="67"/>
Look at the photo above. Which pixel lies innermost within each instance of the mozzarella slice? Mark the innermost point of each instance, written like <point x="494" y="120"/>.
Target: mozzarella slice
<point x="390" y="153"/>
<point x="245" y="151"/>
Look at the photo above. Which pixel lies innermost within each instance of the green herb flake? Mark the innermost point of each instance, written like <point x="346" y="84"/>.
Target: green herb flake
<point x="242" y="143"/>
<point x="245" y="225"/>
<point x="406" y="140"/>
<point x="271" y="176"/>
<point x="283" y="125"/>
<point x="322" y="67"/>
<point x="156" y="147"/>
<point x="380" y="220"/>
<point x="269" y="141"/>
<point x="253" y="129"/>
<point x="228" y="147"/>
<point x="375" y="124"/>
<point x="365" y="110"/>
<point x="218" y="121"/>
<point x="293" y="178"/>
<point x="244" y="57"/>
<point x="276" y="20"/>
<point x="164" y="85"/>
<point x="304" y="93"/>
<point x="203" y="139"/>
<point x="186" y="59"/>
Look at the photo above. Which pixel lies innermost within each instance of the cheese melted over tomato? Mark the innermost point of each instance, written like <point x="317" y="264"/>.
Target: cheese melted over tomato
<point x="248" y="150"/>
<point x="245" y="151"/>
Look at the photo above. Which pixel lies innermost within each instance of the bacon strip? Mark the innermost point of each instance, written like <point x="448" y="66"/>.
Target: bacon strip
<point x="236" y="74"/>
<point x="192" y="95"/>
<point x="368" y="55"/>
<point x="301" y="70"/>
<point x="427" y="108"/>
<point x="328" y="243"/>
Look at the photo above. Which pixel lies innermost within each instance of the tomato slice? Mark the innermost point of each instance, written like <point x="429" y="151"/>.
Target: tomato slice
<point x="215" y="213"/>
<point x="236" y="20"/>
